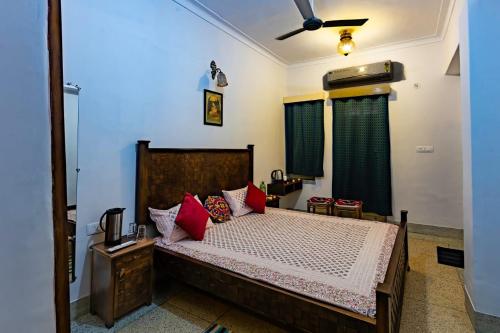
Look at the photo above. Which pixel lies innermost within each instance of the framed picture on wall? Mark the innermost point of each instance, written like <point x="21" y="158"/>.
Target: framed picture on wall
<point x="212" y="108"/>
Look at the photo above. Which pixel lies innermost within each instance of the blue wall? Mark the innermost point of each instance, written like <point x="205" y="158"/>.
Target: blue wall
<point x="484" y="71"/>
<point x="142" y="66"/>
<point x="26" y="236"/>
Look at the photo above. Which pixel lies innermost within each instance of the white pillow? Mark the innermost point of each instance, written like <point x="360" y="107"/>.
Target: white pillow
<point x="236" y="201"/>
<point x="165" y="223"/>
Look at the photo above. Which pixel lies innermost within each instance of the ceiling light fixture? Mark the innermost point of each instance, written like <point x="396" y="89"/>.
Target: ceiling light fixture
<point x="221" y="77"/>
<point x="346" y="44"/>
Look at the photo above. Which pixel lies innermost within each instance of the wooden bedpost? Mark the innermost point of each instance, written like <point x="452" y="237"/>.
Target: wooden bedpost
<point x="383" y="313"/>
<point x="250" y="167"/>
<point x="404" y="216"/>
<point x="141" y="182"/>
<point x="404" y="220"/>
<point x="390" y="293"/>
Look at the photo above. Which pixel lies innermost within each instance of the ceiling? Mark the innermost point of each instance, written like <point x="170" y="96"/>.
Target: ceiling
<point x="390" y="22"/>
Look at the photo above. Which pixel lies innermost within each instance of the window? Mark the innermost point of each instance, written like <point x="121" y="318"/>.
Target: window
<point x="305" y="138"/>
<point x="361" y="152"/>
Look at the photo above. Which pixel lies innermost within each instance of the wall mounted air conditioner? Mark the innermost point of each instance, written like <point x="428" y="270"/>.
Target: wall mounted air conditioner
<point x="359" y="75"/>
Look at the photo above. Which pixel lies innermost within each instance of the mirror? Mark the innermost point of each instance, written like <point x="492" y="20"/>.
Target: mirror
<point x="71" y="95"/>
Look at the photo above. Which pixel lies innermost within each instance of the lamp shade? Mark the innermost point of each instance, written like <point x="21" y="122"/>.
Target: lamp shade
<point x="221" y="79"/>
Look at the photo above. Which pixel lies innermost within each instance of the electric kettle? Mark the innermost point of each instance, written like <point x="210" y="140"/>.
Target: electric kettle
<point x="113" y="230"/>
<point x="277" y="176"/>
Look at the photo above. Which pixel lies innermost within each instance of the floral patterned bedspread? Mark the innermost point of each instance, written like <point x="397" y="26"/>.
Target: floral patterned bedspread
<point x="335" y="260"/>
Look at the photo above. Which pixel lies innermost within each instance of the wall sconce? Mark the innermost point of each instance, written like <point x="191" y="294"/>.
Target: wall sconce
<point x="221" y="77"/>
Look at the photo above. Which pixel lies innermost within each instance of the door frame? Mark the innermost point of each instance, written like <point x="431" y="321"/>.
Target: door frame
<point x="58" y="157"/>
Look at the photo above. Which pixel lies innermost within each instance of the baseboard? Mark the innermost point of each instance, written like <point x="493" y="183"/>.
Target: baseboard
<point x="79" y="307"/>
<point x="469" y="307"/>
<point x="483" y="323"/>
<point x="436" y="231"/>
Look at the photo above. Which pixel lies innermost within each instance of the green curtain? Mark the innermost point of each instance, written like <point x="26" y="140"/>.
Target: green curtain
<point x="361" y="152"/>
<point x="305" y="138"/>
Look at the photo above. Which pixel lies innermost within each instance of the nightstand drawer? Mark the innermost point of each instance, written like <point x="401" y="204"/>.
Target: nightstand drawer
<point x="137" y="258"/>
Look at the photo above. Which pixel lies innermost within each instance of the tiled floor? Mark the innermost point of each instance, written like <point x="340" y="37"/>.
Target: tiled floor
<point x="434" y="302"/>
<point x="434" y="296"/>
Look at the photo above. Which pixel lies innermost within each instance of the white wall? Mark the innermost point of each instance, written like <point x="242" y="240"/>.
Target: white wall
<point x="142" y="67"/>
<point x="466" y="154"/>
<point x="26" y="237"/>
<point x="429" y="186"/>
<point x="483" y="161"/>
<point x="452" y="33"/>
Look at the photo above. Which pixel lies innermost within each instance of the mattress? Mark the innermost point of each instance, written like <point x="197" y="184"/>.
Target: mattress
<point x="335" y="260"/>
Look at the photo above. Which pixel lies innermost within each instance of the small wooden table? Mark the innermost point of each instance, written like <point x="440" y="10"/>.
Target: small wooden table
<point x="273" y="201"/>
<point x="320" y="202"/>
<point x="122" y="280"/>
<point x="285" y="187"/>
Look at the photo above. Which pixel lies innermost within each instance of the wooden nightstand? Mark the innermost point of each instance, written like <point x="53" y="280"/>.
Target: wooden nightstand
<point x="121" y="281"/>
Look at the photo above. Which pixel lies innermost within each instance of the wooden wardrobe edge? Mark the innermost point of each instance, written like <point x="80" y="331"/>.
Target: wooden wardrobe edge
<point x="58" y="156"/>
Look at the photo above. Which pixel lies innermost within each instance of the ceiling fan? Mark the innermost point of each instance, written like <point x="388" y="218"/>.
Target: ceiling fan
<point x="312" y="23"/>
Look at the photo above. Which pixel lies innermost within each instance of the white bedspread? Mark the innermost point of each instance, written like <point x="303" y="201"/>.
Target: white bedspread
<point x="336" y="260"/>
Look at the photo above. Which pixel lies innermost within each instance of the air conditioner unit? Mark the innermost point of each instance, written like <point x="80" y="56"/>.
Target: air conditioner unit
<point x="359" y="75"/>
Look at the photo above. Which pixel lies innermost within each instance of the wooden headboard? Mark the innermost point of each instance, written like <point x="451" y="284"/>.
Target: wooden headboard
<point x="165" y="174"/>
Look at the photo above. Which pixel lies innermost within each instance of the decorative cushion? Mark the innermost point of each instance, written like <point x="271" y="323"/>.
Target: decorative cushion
<point x="320" y="200"/>
<point x="192" y="217"/>
<point x="165" y="223"/>
<point x="236" y="201"/>
<point x="218" y="209"/>
<point x="256" y="199"/>
<point x="348" y="203"/>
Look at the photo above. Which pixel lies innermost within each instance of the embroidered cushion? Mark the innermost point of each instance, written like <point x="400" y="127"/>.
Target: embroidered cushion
<point x="320" y="200"/>
<point x="348" y="203"/>
<point x="192" y="217"/>
<point x="165" y="223"/>
<point x="218" y="209"/>
<point x="236" y="201"/>
<point x="256" y="199"/>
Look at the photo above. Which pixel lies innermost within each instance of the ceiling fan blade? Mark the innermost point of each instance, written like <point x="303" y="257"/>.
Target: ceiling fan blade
<point x="305" y="8"/>
<point x="344" y="23"/>
<point x="290" y="34"/>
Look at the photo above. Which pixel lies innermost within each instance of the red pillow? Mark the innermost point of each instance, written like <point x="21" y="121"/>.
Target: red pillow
<point x="256" y="199"/>
<point x="192" y="217"/>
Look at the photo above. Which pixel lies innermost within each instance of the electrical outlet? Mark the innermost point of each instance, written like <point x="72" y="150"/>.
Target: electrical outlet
<point x="93" y="228"/>
<point x="425" y="149"/>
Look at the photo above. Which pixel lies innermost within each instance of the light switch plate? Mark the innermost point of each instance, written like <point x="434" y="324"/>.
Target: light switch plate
<point x="93" y="228"/>
<point x="425" y="149"/>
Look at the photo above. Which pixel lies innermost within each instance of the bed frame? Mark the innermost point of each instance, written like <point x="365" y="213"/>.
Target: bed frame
<point x="164" y="175"/>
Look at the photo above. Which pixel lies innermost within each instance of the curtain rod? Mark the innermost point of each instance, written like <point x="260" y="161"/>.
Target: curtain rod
<point x="304" y="98"/>
<point x="370" y="90"/>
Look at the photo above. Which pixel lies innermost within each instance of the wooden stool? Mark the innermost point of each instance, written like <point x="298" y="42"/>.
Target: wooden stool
<point x="320" y="202"/>
<point x="353" y="208"/>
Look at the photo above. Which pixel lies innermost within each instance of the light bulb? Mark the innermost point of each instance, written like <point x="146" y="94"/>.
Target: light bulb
<point x="346" y="44"/>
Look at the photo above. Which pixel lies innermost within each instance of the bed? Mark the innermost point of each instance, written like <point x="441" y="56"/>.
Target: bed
<point x="351" y="291"/>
